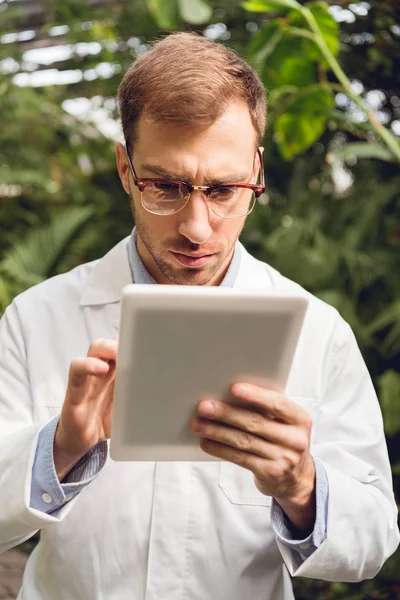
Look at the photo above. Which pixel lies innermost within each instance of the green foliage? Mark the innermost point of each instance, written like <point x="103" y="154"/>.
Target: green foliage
<point x="389" y="386"/>
<point x="328" y="26"/>
<point x="290" y="62"/>
<point x="358" y="150"/>
<point x="169" y="15"/>
<point x="39" y="256"/>
<point x="164" y="13"/>
<point x="297" y="52"/>
<point x="303" y="121"/>
<point x="195" y="11"/>
<point x="269" y="5"/>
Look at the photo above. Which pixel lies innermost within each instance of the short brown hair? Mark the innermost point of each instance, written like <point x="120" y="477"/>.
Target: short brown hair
<point x="188" y="78"/>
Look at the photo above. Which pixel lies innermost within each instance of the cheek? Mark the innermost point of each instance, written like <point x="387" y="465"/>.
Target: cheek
<point x="159" y="228"/>
<point x="229" y="229"/>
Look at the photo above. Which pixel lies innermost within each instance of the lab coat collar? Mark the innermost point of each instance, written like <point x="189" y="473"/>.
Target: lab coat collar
<point x="109" y="276"/>
<point x="112" y="273"/>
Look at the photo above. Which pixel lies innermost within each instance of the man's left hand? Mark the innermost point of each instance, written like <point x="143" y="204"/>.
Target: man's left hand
<point x="270" y="436"/>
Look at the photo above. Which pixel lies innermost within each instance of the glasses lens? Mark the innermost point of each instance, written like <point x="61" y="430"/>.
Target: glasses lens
<point x="231" y="202"/>
<point x="164" y="198"/>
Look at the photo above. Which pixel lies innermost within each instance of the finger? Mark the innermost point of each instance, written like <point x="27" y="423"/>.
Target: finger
<point x="270" y="472"/>
<point x="103" y="348"/>
<point x="81" y="368"/>
<point x="274" y="403"/>
<point x="235" y="438"/>
<point x="249" y="461"/>
<point x="274" y="431"/>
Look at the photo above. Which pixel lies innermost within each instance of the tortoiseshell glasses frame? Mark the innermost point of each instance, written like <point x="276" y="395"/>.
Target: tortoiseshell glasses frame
<point x="176" y="194"/>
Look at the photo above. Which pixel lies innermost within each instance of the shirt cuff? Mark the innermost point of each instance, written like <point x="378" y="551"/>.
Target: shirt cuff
<point x="281" y="523"/>
<point x="47" y="493"/>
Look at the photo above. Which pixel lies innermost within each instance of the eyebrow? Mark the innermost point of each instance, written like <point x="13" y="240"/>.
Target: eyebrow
<point x="164" y="173"/>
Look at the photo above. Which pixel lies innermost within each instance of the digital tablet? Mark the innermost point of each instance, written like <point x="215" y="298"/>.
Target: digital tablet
<point x="178" y="344"/>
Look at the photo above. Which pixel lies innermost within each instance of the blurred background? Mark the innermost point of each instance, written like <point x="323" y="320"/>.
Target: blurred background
<point x="330" y="218"/>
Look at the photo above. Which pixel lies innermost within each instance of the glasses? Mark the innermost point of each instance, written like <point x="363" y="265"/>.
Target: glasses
<point x="169" y="196"/>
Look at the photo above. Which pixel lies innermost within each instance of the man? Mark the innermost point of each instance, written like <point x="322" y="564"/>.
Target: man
<point x="317" y="499"/>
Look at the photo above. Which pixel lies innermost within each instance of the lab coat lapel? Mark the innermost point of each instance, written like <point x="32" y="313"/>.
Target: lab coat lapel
<point x="253" y="274"/>
<point x="101" y="295"/>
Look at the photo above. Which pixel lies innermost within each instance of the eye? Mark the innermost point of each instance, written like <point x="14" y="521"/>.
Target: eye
<point x="223" y="193"/>
<point x="166" y="187"/>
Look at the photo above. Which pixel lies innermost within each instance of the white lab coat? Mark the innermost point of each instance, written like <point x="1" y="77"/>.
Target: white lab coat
<point x="169" y="531"/>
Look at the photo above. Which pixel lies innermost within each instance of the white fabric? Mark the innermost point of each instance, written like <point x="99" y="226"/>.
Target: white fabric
<point x="170" y="531"/>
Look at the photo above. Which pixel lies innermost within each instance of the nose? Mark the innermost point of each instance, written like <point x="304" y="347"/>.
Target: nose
<point x="195" y="219"/>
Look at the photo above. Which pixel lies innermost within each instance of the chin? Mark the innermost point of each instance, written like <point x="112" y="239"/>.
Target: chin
<point x="190" y="277"/>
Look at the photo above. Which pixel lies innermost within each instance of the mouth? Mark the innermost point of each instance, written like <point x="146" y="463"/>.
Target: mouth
<point x="192" y="260"/>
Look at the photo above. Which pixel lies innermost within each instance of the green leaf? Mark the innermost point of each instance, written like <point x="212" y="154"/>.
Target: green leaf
<point x="302" y="123"/>
<point x="194" y="11"/>
<point x="164" y="12"/>
<point x="285" y="68"/>
<point x="5" y="295"/>
<point x="270" y="5"/>
<point x="388" y="317"/>
<point x="35" y="258"/>
<point x="389" y="396"/>
<point x="279" y="59"/>
<point x="361" y="150"/>
<point x="396" y="468"/>
<point x="263" y="44"/>
<point x="328" y="26"/>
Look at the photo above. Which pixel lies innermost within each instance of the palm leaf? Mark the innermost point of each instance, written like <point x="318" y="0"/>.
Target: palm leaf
<point x="34" y="259"/>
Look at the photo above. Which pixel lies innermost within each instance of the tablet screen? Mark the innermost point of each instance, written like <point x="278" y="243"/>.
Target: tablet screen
<point x="182" y="352"/>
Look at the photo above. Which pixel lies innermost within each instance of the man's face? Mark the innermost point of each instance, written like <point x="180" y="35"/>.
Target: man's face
<point x="193" y="246"/>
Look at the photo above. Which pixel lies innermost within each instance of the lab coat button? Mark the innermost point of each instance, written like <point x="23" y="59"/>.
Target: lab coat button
<point x="305" y="546"/>
<point x="47" y="498"/>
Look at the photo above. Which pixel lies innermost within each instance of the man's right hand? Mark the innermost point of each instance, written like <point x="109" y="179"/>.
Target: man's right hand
<point x="86" y="414"/>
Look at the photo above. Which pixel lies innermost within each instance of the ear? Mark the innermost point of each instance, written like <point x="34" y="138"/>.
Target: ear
<point x="122" y="165"/>
<point x="256" y="170"/>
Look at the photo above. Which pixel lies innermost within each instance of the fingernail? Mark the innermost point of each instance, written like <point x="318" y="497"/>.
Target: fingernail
<point x="207" y="408"/>
<point x="240" y="389"/>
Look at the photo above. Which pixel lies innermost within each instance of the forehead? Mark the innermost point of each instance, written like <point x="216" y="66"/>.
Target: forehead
<point x="231" y="138"/>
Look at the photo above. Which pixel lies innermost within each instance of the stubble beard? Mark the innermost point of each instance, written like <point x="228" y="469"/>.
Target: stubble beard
<point x="183" y="276"/>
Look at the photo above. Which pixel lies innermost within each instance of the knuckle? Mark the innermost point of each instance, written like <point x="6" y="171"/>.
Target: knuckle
<point x="289" y="460"/>
<point x="243" y="441"/>
<point x="300" y="442"/>
<point x="307" y="421"/>
<point x="278" y="404"/>
<point x="304" y="444"/>
<point x="286" y="466"/>
<point x="239" y="458"/>
<point x="244" y="460"/>
<point x="254" y="423"/>
<point x="274" y="470"/>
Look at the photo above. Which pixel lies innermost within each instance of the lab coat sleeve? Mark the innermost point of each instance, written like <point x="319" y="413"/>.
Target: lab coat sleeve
<point x="281" y="524"/>
<point x="18" y="440"/>
<point x="348" y="438"/>
<point x="47" y="493"/>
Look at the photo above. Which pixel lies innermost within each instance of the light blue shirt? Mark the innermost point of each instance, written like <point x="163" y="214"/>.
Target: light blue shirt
<point x="49" y="495"/>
